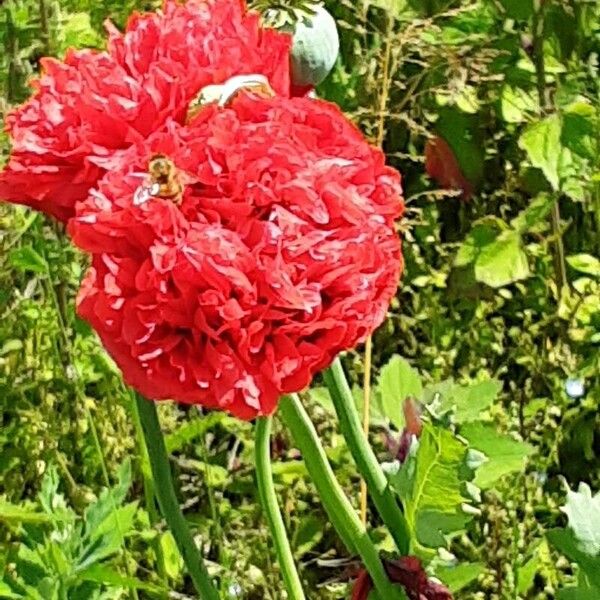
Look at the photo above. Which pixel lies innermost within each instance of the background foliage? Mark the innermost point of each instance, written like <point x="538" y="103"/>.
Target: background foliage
<point x="500" y="305"/>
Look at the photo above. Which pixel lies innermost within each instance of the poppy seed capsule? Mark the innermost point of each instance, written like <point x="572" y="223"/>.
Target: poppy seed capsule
<point x="315" y="47"/>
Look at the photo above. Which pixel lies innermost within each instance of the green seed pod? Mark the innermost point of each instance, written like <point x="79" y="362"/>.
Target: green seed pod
<point x="316" y="43"/>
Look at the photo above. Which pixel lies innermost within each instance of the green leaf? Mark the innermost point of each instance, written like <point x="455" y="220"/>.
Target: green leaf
<point x="7" y="592"/>
<point x="505" y="455"/>
<point x="536" y="213"/>
<point x="76" y="31"/>
<point x="192" y="430"/>
<point x="517" y="104"/>
<point x="430" y="485"/>
<point x="108" y="576"/>
<point x="12" y="513"/>
<point x="469" y="401"/>
<point x="170" y="555"/>
<point x="583" y="511"/>
<point x="518" y="9"/>
<point x="107" y="539"/>
<point x="579" y="130"/>
<point x="503" y="261"/>
<point x="308" y="534"/>
<point x="585" y="263"/>
<point x="27" y="259"/>
<point x="459" y="576"/>
<point x="398" y="381"/>
<point x="542" y="142"/>
<point x="564" y="541"/>
<point x="484" y="233"/>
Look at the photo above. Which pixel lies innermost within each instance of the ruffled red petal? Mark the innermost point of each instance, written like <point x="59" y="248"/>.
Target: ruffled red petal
<point x="282" y="253"/>
<point x="93" y="104"/>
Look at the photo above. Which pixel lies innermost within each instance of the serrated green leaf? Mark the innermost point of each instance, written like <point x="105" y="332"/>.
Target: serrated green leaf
<point x="469" y="401"/>
<point x="505" y="455"/>
<point x="27" y="259"/>
<point x="398" y="381"/>
<point x="459" y="576"/>
<point x="542" y="142"/>
<point x="430" y="485"/>
<point x="192" y="430"/>
<point x="536" y="213"/>
<point x="503" y="261"/>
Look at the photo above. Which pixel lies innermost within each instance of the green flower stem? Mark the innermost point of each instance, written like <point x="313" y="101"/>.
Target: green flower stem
<point x="340" y="511"/>
<point x="366" y="461"/>
<point x="167" y="500"/>
<point x="268" y="499"/>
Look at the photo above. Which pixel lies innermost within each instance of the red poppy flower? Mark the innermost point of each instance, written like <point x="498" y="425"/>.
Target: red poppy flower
<point x="408" y="572"/>
<point x="93" y="104"/>
<point x="280" y="253"/>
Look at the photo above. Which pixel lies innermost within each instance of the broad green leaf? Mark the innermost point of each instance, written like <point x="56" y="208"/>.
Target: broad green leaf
<point x="459" y="576"/>
<point x="467" y="100"/>
<point x="536" y="213"/>
<point x="580" y="130"/>
<point x="503" y="261"/>
<point x="518" y="9"/>
<point x="518" y="104"/>
<point x="578" y="593"/>
<point x="564" y="541"/>
<point x="469" y="401"/>
<point x="484" y="233"/>
<point x="585" y="263"/>
<point x="170" y="555"/>
<point x="542" y="142"/>
<point x="28" y="260"/>
<point x="505" y="455"/>
<point x="583" y="511"/>
<point x="430" y="485"/>
<point x="398" y="381"/>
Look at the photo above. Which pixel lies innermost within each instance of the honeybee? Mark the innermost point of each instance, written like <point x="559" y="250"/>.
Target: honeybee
<point x="223" y="94"/>
<point x="162" y="181"/>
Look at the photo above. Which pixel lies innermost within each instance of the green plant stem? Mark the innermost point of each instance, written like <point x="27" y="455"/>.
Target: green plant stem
<point x="268" y="499"/>
<point x="364" y="457"/>
<point x="546" y="106"/>
<point x="167" y="500"/>
<point x="338" y="507"/>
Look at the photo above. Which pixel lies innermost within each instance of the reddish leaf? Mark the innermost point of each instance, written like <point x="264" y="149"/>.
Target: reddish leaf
<point x="442" y="165"/>
<point x="407" y="571"/>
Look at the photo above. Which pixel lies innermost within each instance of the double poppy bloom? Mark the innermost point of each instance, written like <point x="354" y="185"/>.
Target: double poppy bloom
<point x="90" y="107"/>
<point x="277" y="248"/>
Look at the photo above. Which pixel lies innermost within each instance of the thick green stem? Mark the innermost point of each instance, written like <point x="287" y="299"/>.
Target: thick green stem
<point x="364" y="457"/>
<point x="167" y="500"/>
<point x="340" y="511"/>
<point x="268" y="499"/>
